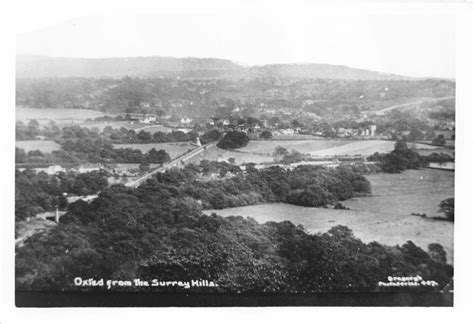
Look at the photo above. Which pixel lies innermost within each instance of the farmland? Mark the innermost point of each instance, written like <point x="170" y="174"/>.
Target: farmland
<point x="216" y="154"/>
<point x="173" y="149"/>
<point x="327" y="147"/>
<point x="302" y="146"/>
<point x="261" y="151"/>
<point x="366" y="147"/>
<point x="43" y="146"/>
<point x="383" y="217"/>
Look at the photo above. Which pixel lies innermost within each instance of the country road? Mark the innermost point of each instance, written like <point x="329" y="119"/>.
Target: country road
<point x="413" y="103"/>
<point x="135" y="183"/>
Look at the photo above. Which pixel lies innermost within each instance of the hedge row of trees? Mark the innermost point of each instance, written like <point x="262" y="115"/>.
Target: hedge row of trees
<point x="85" y="152"/>
<point x="155" y="231"/>
<point x="305" y="186"/>
<point x="113" y="135"/>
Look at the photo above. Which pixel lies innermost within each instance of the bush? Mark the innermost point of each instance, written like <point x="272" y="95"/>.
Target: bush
<point x="266" y="134"/>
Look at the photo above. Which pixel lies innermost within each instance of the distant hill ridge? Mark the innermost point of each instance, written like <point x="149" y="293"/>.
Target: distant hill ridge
<point x="32" y="66"/>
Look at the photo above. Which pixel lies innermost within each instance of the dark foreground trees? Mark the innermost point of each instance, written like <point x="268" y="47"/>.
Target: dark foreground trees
<point x="153" y="232"/>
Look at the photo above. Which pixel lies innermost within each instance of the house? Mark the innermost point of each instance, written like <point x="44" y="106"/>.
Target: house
<point x="51" y="170"/>
<point x="346" y="132"/>
<point x="148" y="120"/>
<point x="372" y="129"/>
<point x="84" y="168"/>
<point x="287" y="131"/>
<point x="186" y="121"/>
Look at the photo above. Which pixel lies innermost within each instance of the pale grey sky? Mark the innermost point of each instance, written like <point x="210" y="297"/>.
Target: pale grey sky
<point x="414" y="45"/>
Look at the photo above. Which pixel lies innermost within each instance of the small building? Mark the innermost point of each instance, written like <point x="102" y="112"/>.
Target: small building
<point x="51" y="170"/>
<point x="148" y="120"/>
<point x="186" y="121"/>
<point x="84" y="168"/>
<point x="372" y="129"/>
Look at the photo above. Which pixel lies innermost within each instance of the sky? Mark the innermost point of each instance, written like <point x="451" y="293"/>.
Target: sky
<point x="419" y="45"/>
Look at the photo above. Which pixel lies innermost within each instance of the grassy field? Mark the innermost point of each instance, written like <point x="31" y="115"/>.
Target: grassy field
<point x="156" y="128"/>
<point x="60" y="116"/>
<point x="216" y="154"/>
<point x="261" y="151"/>
<point x="173" y="149"/>
<point x="383" y="217"/>
<point x="302" y="146"/>
<point x="364" y="147"/>
<point x="43" y="146"/>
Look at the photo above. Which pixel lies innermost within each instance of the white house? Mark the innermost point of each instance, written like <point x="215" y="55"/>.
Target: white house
<point x="148" y="120"/>
<point x="186" y="121"/>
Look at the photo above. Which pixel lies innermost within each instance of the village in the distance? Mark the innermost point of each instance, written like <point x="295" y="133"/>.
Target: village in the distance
<point x="292" y="178"/>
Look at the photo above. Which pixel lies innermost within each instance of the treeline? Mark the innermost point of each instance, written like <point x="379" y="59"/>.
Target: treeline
<point x="305" y="186"/>
<point x="121" y="135"/>
<point x="84" y="151"/>
<point x="81" y="144"/>
<point x="39" y="192"/>
<point x="156" y="232"/>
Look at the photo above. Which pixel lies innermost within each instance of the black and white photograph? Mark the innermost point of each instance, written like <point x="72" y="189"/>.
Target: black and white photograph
<point x="287" y="155"/>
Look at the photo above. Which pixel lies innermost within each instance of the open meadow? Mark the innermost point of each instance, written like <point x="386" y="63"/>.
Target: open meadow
<point x="385" y="216"/>
<point x="262" y="151"/>
<point x="363" y="147"/>
<point x="302" y="146"/>
<point x="216" y="154"/>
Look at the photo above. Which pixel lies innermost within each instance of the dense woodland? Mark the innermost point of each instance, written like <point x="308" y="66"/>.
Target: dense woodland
<point x="39" y="192"/>
<point x="158" y="231"/>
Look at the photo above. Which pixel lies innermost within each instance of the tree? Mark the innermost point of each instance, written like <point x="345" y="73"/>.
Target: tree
<point x="280" y="151"/>
<point x="210" y="136"/>
<point x="233" y="140"/>
<point x="415" y="135"/>
<point x="439" y="140"/>
<point x="447" y="207"/>
<point x="266" y="134"/>
<point x="154" y="156"/>
<point x="437" y="253"/>
<point x="144" y="136"/>
<point x="401" y="158"/>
